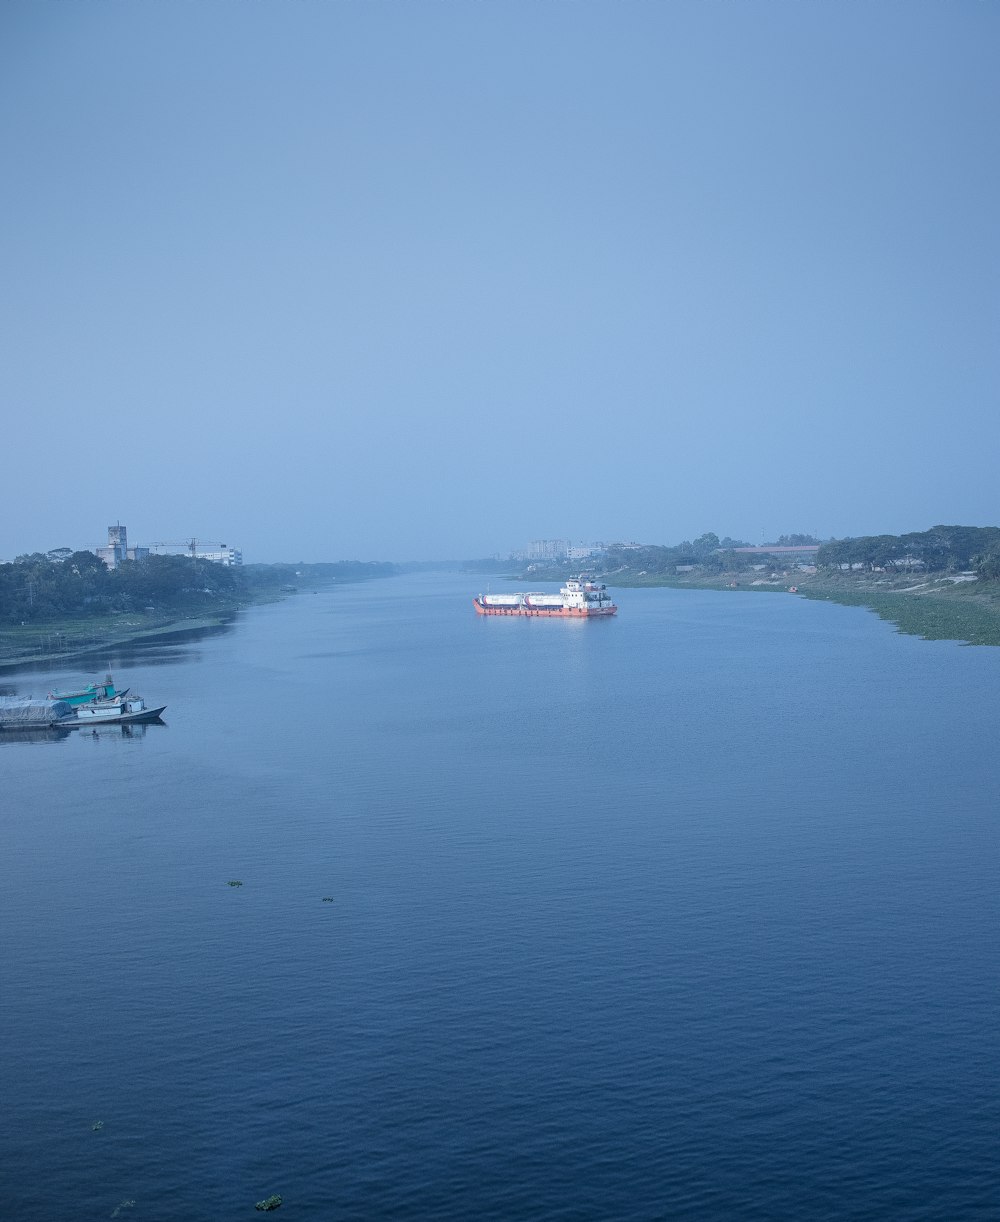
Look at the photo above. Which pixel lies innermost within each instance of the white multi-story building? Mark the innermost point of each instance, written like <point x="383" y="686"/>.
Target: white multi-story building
<point x="586" y="551"/>
<point x="225" y="555"/>
<point x="547" y="549"/>
<point x="563" y="549"/>
<point x="218" y="553"/>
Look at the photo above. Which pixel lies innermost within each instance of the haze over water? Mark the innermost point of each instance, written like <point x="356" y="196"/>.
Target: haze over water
<point x="690" y="914"/>
<point x="434" y="278"/>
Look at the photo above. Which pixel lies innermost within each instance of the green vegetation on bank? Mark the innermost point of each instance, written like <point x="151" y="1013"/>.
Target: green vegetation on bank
<point x="942" y="549"/>
<point x="945" y="613"/>
<point x="940" y="584"/>
<point x="708" y="552"/>
<point x="62" y="607"/>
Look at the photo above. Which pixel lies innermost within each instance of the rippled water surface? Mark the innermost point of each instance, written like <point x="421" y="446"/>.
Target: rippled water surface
<point x="691" y="914"/>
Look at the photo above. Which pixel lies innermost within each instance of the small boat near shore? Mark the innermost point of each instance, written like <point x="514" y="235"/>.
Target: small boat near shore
<point x="93" y="691"/>
<point x="118" y="710"/>
<point x="27" y="714"/>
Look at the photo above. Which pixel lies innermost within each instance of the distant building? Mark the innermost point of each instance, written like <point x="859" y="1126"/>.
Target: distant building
<point x="224" y="555"/>
<point x="799" y="552"/>
<point x="547" y="549"/>
<point x="118" y="548"/>
<point x="217" y="553"/>
<point x="586" y="551"/>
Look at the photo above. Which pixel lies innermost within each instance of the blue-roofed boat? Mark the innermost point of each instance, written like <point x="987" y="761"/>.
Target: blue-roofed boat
<point x="93" y="691"/>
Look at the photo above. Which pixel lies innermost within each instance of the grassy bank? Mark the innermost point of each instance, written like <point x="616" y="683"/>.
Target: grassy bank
<point x="76" y="637"/>
<point x="67" y="640"/>
<point x="957" y="614"/>
<point x="931" y="606"/>
<point x="60" y="612"/>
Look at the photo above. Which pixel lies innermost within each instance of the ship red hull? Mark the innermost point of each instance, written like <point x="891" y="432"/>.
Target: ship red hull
<point x="545" y="612"/>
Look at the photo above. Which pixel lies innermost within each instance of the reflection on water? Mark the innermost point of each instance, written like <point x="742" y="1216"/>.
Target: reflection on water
<point x="149" y="655"/>
<point x="59" y="734"/>
<point x="135" y="731"/>
<point x="166" y="649"/>
<point x="32" y="736"/>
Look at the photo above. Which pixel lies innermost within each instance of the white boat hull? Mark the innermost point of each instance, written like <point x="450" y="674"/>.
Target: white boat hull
<point x="115" y="712"/>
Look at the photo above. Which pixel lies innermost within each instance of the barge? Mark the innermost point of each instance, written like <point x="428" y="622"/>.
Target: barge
<point x="577" y="599"/>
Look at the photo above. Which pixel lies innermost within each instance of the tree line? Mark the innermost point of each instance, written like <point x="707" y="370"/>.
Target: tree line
<point x="940" y="549"/>
<point x="41" y="587"/>
<point x="707" y="552"/>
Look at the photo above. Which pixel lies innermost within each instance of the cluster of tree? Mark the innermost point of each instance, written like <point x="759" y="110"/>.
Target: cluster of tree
<point x="988" y="564"/>
<point x="708" y="552"/>
<point x="40" y="587"/>
<point x="940" y="549"/>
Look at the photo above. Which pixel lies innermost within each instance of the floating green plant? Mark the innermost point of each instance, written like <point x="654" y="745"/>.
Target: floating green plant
<point x="270" y="1203"/>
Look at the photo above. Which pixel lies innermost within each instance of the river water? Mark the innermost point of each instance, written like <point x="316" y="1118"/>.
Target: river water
<point x="690" y="914"/>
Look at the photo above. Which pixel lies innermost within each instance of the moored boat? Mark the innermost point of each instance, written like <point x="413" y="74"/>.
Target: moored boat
<point x="577" y="599"/>
<point x="119" y="710"/>
<point x="93" y="691"/>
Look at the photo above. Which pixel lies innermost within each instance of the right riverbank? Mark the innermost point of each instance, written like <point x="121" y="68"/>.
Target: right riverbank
<point x="934" y="607"/>
<point x="936" y="610"/>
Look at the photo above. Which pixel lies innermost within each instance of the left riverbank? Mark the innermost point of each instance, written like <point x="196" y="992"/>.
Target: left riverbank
<point x="60" y="610"/>
<point x="69" y="640"/>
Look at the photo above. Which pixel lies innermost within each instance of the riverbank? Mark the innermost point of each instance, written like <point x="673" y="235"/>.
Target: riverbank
<point x="934" y="607"/>
<point x="178" y="614"/>
<point x="80" y="637"/>
<point x="74" y="639"/>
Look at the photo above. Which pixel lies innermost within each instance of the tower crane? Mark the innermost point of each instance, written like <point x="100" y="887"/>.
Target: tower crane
<point x="190" y="545"/>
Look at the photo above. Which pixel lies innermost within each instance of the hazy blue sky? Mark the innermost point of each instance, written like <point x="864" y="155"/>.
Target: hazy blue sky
<point x="402" y="280"/>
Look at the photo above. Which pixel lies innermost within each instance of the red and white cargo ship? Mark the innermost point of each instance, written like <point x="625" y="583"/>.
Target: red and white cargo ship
<point x="578" y="599"/>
